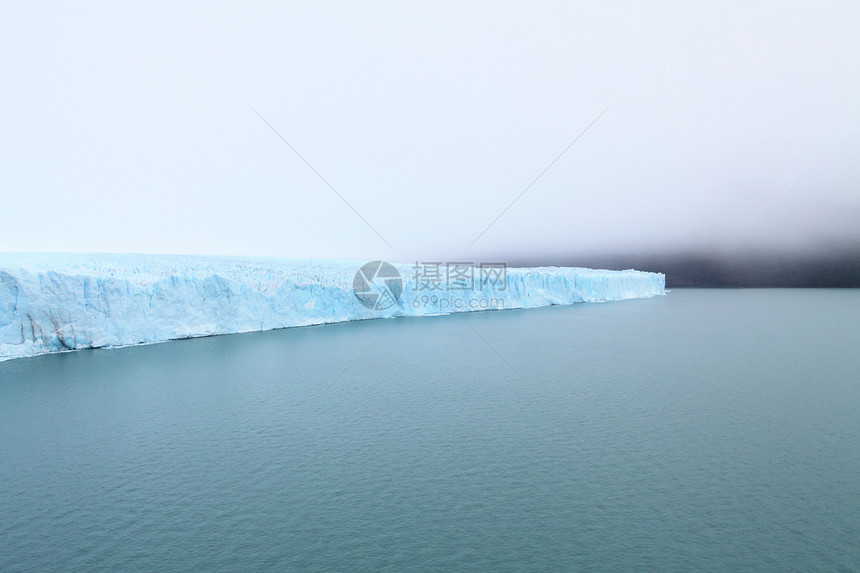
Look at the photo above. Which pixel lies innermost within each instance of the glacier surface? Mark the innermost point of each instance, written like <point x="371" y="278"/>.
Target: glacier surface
<point x="61" y="302"/>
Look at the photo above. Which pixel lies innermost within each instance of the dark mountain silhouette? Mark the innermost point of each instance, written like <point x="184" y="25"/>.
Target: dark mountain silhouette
<point x="838" y="267"/>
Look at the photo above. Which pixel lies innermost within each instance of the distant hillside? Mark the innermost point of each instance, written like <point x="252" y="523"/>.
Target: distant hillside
<point x="839" y="268"/>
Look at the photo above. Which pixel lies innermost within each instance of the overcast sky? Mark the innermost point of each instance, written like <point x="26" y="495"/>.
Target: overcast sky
<point x="130" y="127"/>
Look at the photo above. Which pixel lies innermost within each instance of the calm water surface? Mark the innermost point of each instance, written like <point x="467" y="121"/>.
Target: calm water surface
<point x="704" y="430"/>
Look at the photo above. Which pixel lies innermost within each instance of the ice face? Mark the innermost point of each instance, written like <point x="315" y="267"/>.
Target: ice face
<point x="54" y="303"/>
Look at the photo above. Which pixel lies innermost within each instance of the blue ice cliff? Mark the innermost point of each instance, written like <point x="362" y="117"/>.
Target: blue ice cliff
<point x="55" y="303"/>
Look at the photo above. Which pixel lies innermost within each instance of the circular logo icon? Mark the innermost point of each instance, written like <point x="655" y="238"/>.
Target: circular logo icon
<point x="377" y="285"/>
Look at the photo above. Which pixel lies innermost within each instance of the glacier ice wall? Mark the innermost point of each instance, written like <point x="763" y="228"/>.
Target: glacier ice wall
<point x="55" y="303"/>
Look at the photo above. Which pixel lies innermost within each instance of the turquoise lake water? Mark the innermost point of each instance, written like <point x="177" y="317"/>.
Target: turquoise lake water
<point x="709" y="430"/>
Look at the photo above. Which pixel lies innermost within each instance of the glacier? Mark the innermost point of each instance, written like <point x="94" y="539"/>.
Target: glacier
<point x="64" y="302"/>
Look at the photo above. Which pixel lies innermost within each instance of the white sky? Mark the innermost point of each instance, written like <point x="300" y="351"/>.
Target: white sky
<point x="129" y="127"/>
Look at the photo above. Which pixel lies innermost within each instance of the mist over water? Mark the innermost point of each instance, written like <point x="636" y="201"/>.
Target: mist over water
<point x="726" y="126"/>
<point x="833" y="266"/>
